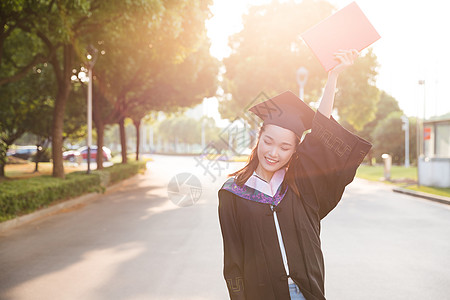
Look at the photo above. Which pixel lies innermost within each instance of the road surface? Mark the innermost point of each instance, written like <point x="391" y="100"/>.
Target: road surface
<point x="135" y="243"/>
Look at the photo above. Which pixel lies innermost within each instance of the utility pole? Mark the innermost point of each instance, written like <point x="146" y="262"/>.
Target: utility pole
<point x="92" y="58"/>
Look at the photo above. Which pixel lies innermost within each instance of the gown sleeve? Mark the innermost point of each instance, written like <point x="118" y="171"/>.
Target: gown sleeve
<point x="232" y="245"/>
<point x="327" y="161"/>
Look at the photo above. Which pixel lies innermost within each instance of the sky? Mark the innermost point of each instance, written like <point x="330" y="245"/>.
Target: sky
<point x="414" y="45"/>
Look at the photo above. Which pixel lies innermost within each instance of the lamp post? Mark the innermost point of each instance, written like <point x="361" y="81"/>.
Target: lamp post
<point x="302" y="77"/>
<point x="92" y="58"/>
<point x="419" y="129"/>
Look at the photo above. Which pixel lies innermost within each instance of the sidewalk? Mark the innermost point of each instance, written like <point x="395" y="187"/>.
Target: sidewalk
<point x="436" y="198"/>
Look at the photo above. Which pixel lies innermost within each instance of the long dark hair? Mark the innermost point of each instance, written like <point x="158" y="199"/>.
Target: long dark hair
<point x="244" y="174"/>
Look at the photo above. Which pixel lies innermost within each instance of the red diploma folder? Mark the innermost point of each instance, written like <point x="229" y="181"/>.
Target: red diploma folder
<point x="347" y="29"/>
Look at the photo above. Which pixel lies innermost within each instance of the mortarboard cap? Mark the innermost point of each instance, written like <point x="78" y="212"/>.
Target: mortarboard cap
<point x="285" y="110"/>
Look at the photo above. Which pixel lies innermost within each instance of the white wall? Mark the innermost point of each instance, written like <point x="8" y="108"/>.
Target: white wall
<point x="434" y="172"/>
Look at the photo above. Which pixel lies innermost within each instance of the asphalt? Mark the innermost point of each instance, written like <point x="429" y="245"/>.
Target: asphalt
<point x="133" y="242"/>
<point x="58" y="207"/>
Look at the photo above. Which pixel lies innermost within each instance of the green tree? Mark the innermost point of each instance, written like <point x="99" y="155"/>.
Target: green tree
<point x="178" y="86"/>
<point x="268" y="51"/>
<point x="357" y="96"/>
<point x="388" y="137"/>
<point x="140" y="39"/>
<point x="28" y="104"/>
<point x="102" y="114"/>
<point x="169" y="66"/>
<point x="41" y="128"/>
<point x="385" y="106"/>
<point x="129" y="57"/>
<point x="20" y="101"/>
<point x="74" y="119"/>
<point x="65" y="28"/>
<point x="187" y="130"/>
<point x="20" y="51"/>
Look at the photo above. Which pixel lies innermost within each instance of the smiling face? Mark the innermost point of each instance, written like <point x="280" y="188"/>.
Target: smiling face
<point x="275" y="148"/>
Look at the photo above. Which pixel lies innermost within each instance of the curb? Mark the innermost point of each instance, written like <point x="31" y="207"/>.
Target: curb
<point x="436" y="198"/>
<point x="45" y="212"/>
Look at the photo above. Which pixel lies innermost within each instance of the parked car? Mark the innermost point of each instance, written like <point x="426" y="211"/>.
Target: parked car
<point x="23" y="152"/>
<point x="106" y="153"/>
<point x="74" y="155"/>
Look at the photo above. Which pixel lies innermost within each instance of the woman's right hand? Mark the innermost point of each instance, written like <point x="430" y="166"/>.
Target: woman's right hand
<point x="346" y="58"/>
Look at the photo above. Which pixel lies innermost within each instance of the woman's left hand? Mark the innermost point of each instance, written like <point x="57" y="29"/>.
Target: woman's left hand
<point x="346" y="57"/>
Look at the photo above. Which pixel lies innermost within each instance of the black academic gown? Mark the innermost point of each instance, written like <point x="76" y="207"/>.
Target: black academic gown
<point x="253" y="267"/>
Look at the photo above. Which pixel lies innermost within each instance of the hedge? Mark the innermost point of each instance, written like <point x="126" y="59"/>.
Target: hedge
<point x="18" y="197"/>
<point x="119" y="172"/>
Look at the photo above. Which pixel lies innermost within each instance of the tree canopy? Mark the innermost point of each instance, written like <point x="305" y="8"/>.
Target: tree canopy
<point x="161" y="65"/>
<point x="388" y="137"/>
<point x="143" y="45"/>
<point x="268" y="51"/>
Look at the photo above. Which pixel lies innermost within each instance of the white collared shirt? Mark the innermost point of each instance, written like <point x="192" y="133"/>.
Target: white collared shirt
<point x="268" y="188"/>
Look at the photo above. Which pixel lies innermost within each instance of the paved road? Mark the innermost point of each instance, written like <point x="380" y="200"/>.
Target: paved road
<point x="384" y="245"/>
<point x="134" y="243"/>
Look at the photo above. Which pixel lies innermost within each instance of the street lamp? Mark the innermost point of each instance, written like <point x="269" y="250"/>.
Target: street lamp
<point x="302" y="77"/>
<point x="91" y="59"/>
<point x="419" y="129"/>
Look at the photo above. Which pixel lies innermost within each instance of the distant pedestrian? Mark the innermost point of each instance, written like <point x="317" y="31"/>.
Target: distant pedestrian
<point x="270" y="210"/>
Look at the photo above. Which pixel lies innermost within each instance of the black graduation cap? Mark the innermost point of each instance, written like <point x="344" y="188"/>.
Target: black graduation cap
<point x="285" y="110"/>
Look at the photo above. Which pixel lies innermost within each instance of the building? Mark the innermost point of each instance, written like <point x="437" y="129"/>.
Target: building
<point x="434" y="164"/>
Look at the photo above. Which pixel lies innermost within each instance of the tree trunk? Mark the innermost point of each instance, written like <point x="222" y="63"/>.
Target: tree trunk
<point x="137" y="125"/>
<point x="100" y="134"/>
<point x="57" y="132"/>
<point x="64" y="85"/>
<point x="3" y="157"/>
<point x="41" y="147"/>
<point x="37" y="158"/>
<point x="369" y="158"/>
<point x="4" y="146"/>
<point x="123" y="140"/>
<point x="36" y="167"/>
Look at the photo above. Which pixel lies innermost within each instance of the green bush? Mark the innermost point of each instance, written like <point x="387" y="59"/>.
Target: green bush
<point x="45" y="156"/>
<point x="18" y="197"/>
<point x="119" y="172"/>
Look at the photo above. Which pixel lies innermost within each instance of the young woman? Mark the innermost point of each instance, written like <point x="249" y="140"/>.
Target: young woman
<point x="270" y="210"/>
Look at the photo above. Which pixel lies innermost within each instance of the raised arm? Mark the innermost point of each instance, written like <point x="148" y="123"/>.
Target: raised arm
<point x="346" y="57"/>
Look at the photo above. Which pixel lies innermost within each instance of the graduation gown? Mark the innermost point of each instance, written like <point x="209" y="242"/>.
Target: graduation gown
<point x="253" y="267"/>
